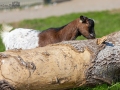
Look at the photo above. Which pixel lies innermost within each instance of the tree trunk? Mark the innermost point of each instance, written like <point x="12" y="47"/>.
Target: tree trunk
<point x="62" y="66"/>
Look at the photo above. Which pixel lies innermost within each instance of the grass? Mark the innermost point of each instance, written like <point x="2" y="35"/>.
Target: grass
<point x="106" y="22"/>
<point x="101" y="87"/>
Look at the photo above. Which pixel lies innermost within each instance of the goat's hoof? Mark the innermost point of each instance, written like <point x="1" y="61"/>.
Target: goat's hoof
<point x="4" y="85"/>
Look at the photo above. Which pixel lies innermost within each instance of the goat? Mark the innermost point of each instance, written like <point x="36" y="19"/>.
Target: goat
<point x="21" y="38"/>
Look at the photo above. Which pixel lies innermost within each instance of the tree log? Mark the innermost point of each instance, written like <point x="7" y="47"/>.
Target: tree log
<point x="62" y="66"/>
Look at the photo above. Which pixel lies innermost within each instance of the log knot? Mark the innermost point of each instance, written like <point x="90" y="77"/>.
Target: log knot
<point x="3" y="55"/>
<point x="29" y="65"/>
<point x="4" y="85"/>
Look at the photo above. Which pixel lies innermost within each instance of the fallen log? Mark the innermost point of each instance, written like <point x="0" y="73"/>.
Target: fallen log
<point x="62" y="66"/>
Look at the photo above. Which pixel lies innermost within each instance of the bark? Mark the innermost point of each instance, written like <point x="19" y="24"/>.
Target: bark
<point x="61" y="66"/>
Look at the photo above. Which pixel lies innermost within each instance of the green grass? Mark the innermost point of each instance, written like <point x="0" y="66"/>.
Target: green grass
<point x="99" y="87"/>
<point x="106" y="22"/>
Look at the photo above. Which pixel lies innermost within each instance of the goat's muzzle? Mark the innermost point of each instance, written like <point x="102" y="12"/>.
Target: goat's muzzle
<point x="92" y="36"/>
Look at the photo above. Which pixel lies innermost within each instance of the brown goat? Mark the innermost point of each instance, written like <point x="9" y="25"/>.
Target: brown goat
<point x="22" y="38"/>
<point x="81" y="26"/>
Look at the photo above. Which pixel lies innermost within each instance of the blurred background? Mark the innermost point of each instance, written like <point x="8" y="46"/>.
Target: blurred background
<point x="43" y="14"/>
<point x="30" y="9"/>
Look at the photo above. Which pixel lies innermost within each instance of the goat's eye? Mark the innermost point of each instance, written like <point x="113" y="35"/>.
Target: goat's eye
<point x="87" y="22"/>
<point x="89" y="25"/>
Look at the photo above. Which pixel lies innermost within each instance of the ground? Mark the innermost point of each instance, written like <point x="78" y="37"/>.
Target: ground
<point x="72" y="6"/>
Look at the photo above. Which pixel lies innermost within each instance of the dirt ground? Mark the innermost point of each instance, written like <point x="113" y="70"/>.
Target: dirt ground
<point x="41" y="11"/>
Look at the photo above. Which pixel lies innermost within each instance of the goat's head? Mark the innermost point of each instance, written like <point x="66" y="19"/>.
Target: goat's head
<point x="86" y="27"/>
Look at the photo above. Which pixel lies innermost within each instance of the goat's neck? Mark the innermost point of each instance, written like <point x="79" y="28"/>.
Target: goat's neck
<point x="69" y="32"/>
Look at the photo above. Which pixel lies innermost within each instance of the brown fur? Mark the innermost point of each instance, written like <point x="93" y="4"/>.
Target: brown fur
<point x="68" y="32"/>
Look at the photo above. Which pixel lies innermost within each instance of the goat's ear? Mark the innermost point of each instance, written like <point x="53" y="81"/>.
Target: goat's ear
<point x="83" y="19"/>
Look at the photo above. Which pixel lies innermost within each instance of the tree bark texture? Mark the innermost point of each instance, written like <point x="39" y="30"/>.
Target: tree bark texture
<point x="62" y="66"/>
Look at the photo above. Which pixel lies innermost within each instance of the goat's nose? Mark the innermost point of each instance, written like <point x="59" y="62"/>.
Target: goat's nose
<point x="92" y="35"/>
